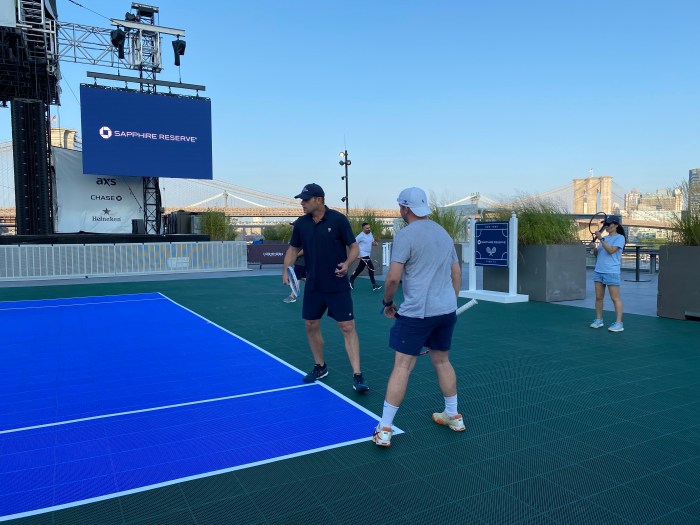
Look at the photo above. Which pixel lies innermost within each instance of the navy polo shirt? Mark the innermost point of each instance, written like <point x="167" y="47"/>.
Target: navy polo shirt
<point x="325" y="247"/>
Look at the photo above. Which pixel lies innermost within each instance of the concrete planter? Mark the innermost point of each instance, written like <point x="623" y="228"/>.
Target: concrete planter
<point x="679" y="282"/>
<point x="546" y="273"/>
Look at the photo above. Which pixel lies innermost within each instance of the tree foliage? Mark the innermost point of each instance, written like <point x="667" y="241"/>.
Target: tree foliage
<point x="217" y="226"/>
<point x="370" y="217"/>
<point x="278" y="232"/>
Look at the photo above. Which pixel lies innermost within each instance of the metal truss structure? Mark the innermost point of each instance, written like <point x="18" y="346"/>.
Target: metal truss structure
<point x="28" y="54"/>
<point x="142" y="52"/>
<point x="89" y="45"/>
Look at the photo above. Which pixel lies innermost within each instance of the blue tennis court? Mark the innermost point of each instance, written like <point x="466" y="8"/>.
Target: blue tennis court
<point x="104" y="396"/>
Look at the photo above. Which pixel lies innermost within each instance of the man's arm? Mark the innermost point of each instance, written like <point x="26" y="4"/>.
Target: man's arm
<point x="391" y="285"/>
<point x="353" y="252"/>
<point x="456" y="275"/>
<point x="289" y="258"/>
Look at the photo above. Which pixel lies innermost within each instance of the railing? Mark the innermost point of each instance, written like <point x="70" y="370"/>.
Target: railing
<point x="56" y="261"/>
<point x="635" y="257"/>
<point x="386" y="254"/>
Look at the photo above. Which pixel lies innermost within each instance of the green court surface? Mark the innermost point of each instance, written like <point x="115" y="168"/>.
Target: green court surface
<point x="565" y="424"/>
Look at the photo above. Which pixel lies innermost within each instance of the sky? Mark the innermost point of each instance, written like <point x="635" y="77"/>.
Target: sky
<point x="500" y="97"/>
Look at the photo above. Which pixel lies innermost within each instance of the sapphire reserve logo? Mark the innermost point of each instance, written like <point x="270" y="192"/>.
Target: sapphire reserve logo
<point x="107" y="133"/>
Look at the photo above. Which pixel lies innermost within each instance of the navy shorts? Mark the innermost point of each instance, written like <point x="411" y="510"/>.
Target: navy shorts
<point x="338" y="304"/>
<point x="410" y="335"/>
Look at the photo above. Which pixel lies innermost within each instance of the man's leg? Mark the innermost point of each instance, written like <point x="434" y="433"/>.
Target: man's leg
<point x="447" y="379"/>
<point x="315" y="339"/>
<point x="395" y="393"/>
<point x="352" y="344"/>
<point x="358" y="271"/>
<point x="398" y="380"/>
<point x="370" y="271"/>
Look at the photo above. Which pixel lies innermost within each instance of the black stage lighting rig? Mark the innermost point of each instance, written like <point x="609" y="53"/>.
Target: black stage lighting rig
<point x="31" y="47"/>
<point x="179" y="48"/>
<point x="118" y="37"/>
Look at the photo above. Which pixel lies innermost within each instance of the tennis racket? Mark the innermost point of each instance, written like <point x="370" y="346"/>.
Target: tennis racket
<point x="466" y="307"/>
<point x="459" y="311"/>
<point x="293" y="281"/>
<point x="594" y="224"/>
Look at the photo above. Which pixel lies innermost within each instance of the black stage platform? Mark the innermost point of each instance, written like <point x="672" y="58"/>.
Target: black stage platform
<point x="98" y="238"/>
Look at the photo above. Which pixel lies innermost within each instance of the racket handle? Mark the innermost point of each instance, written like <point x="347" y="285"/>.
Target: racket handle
<point x="466" y="306"/>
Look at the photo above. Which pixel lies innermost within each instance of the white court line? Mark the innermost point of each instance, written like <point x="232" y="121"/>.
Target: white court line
<point x="179" y="480"/>
<point x="152" y="409"/>
<point x="78" y="304"/>
<point x="397" y="430"/>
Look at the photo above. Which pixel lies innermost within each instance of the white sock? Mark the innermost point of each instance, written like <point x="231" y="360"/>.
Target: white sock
<point x="451" y="405"/>
<point x="388" y="414"/>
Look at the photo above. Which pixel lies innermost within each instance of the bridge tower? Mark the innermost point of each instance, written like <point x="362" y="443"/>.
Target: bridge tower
<point x="593" y="194"/>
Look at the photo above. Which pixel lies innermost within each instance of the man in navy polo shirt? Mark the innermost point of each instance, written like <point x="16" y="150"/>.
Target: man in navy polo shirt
<point x="325" y="236"/>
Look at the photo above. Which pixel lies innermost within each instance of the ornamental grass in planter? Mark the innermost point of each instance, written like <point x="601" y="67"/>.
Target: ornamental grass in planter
<point x="679" y="279"/>
<point x="540" y="221"/>
<point x="551" y="258"/>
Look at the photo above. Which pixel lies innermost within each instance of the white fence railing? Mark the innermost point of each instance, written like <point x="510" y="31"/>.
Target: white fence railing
<point x="386" y="254"/>
<point x="103" y="260"/>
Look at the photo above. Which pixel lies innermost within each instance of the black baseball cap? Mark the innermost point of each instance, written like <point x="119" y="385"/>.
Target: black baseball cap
<point x="613" y="219"/>
<point x="311" y="190"/>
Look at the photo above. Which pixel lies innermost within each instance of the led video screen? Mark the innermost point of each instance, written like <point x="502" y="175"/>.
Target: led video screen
<point x="133" y="134"/>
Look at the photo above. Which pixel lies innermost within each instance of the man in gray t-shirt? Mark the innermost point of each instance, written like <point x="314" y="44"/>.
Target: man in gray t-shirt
<point x="427" y="254"/>
<point x="423" y="258"/>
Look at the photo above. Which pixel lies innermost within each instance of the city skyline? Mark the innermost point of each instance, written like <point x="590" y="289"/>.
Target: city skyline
<point x="498" y="98"/>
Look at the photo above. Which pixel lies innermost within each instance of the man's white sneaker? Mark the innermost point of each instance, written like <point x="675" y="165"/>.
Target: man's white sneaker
<point x="382" y="436"/>
<point x="455" y="422"/>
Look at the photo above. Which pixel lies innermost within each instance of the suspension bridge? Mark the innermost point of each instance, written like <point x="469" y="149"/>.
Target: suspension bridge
<point x="264" y="207"/>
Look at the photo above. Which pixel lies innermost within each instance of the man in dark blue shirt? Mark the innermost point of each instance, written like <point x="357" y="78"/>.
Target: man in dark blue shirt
<point x="325" y="236"/>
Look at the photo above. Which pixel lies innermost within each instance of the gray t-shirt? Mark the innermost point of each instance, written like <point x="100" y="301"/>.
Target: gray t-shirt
<point x="427" y="253"/>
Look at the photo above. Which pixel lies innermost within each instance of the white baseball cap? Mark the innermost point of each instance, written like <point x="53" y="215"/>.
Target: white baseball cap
<point x="415" y="199"/>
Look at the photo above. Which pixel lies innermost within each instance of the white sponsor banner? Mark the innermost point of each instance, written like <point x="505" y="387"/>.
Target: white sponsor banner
<point x="85" y="203"/>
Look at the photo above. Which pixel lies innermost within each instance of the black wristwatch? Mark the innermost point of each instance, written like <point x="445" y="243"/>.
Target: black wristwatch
<point x="387" y="304"/>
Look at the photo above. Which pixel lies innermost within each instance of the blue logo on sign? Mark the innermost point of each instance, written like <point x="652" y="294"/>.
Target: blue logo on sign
<point x="491" y="246"/>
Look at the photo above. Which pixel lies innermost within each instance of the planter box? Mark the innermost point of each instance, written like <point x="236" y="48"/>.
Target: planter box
<point x="679" y="282"/>
<point x="546" y="273"/>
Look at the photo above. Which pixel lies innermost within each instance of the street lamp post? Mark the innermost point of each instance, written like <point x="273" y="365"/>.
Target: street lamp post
<point x="345" y="162"/>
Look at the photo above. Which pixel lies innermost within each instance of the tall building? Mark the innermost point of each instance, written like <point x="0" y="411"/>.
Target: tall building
<point x="694" y="190"/>
<point x="660" y="200"/>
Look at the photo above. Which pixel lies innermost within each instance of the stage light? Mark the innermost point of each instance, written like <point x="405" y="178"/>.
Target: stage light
<point x="131" y="17"/>
<point x="118" y="37"/>
<point x="179" y="49"/>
